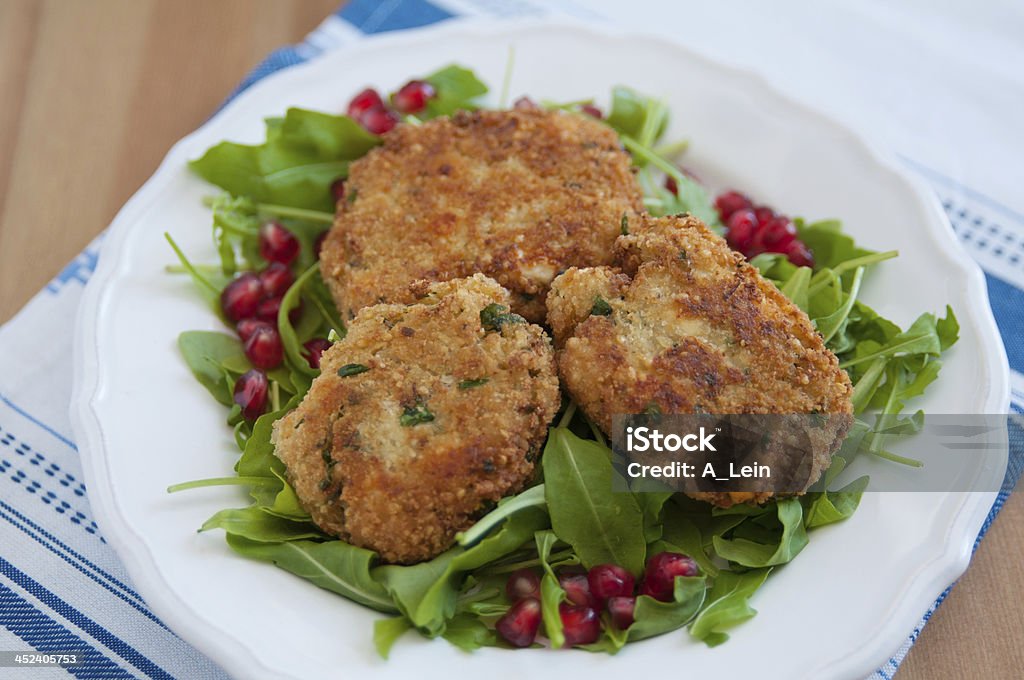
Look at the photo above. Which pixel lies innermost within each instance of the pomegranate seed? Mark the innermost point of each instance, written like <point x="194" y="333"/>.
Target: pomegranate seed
<point x="660" y="575"/>
<point x="518" y="626"/>
<point x="577" y="589"/>
<point x="338" y="189"/>
<point x="316" y="347"/>
<point x="522" y="583"/>
<point x="764" y="214"/>
<point x="592" y="111"/>
<point x="276" y="279"/>
<point x="774" y="237"/>
<point x="610" y="580"/>
<point x="621" y="610"/>
<point x="379" y="120"/>
<point x="729" y="202"/>
<point x="798" y="254"/>
<point x="264" y="348"/>
<point x="413" y="96"/>
<point x="581" y="625"/>
<point x="318" y="245"/>
<point x="246" y="327"/>
<point x="269" y="308"/>
<point x="363" y="102"/>
<point x="741" y="224"/>
<point x="524" y="103"/>
<point x="277" y="244"/>
<point x="241" y="297"/>
<point x="251" y="394"/>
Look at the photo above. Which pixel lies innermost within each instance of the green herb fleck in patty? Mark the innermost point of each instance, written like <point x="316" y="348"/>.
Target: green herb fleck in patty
<point x="352" y="369"/>
<point x="414" y="415"/>
<point x="601" y="307"/>
<point x="494" y="316"/>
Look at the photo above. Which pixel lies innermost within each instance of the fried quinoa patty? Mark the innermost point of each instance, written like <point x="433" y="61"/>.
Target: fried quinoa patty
<point x="684" y="324"/>
<point x="517" y="195"/>
<point x="421" y="419"/>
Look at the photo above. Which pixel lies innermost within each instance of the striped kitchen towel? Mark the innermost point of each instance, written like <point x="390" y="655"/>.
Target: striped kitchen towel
<point x="62" y="587"/>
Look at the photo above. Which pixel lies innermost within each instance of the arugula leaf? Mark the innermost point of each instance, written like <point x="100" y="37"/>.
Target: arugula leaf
<point x="653" y="617"/>
<point x="831" y="247"/>
<point x="631" y="111"/>
<point x="728" y="605"/>
<point x="302" y="155"/>
<point x="285" y="503"/>
<point x="551" y="592"/>
<point x="469" y="633"/>
<point x="333" y="565"/>
<point x="508" y="506"/>
<point x="300" y="368"/>
<point x="796" y="287"/>
<point x="786" y="545"/>
<point x="921" y="338"/>
<point x="651" y="505"/>
<point x="258" y="459"/>
<point x="948" y="329"/>
<point x="386" y="633"/>
<point x="426" y="592"/>
<point x="828" y="507"/>
<point x="456" y="89"/>
<point x="690" y="197"/>
<point x="602" y="526"/>
<point x="209" y="286"/>
<point x="254" y="524"/>
<point x="205" y="352"/>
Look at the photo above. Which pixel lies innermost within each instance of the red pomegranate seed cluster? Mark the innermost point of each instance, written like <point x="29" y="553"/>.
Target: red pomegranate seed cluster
<point x="252" y="302"/>
<point x="370" y="110"/>
<point x="606" y="587"/>
<point x="755" y="229"/>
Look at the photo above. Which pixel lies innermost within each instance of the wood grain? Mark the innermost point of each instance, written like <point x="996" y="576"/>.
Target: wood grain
<point x="94" y="94"/>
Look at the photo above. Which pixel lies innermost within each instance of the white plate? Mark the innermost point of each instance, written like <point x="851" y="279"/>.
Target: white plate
<point x="143" y="423"/>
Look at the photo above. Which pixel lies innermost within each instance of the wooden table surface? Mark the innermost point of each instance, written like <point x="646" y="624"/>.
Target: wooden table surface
<point x="93" y="94"/>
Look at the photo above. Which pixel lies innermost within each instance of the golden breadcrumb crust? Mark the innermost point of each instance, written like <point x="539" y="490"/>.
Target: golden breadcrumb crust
<point x="517" y="195"/>
<point x="691" y="327"/>
<point x="361" y="451"/>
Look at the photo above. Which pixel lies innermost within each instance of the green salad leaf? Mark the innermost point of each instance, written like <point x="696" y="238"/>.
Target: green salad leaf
<point x="255" y="525"/>
<point x="386" y="633"/>
<point x="469" y="633"/>
<point x="601" y="525"/>
<point x="426" y="592"/>
<point x="304" y="153"/>
<point x="728" y="605"/>
<point x="333" y="565"/>
<point x="655" y="618"/>
<point x="551" y="593"/>
<point x="766" y="544"/>
<point x="456" y="88"/>
<point x="205" y="352"/>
